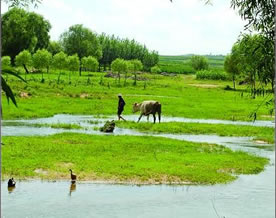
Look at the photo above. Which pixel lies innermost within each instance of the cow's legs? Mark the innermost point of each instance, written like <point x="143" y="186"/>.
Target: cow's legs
<point x="154" y="118"/>
<point x="140" y="118"/>
<point x="159" y="117"/>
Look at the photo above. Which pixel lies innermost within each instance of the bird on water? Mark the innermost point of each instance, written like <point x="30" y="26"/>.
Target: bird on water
<point x="73" y="176"/>
<point x="11" y="183"/>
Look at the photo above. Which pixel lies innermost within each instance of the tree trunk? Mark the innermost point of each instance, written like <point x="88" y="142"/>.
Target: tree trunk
<point x="125" y="79"/>
<point x="25" y="67"/>
<point x="234" y="85"/>
<point x="80" y="71"/>
<point x="254" y="86"/>
<point x="135" y="79"/>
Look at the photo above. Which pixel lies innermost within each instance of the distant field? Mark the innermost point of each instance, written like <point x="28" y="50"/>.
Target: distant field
<point x="180" y="64"/>
<point x="214" y="60"/>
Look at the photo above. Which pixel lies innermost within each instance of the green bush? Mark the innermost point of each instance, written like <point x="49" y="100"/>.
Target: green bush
<point x="199" y="62"/>
<point x="155" y="69"/>
<point x="6" y="61"/>
<point x="211" y="75"/>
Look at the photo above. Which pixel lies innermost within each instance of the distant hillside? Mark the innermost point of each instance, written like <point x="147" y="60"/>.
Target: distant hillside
<point x="214" y="60"/>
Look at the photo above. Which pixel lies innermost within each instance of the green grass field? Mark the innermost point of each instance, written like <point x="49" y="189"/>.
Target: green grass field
<point x="259" y="133"/>
<point x="180" y="95"/>
<point x="214" y="60"/>
<point x="180" y="63"/>
<point x="128" y="159"/>
<point x="132" y="159"/>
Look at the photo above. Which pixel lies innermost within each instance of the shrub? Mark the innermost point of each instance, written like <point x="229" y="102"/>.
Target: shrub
<point x="24" y="58"/>
<point x="90" y="63"/>
<point x="6" y="61"/>
<point x="155" y="69"/>
<point x="211" y="75"/>
<point x="199" y="62"/>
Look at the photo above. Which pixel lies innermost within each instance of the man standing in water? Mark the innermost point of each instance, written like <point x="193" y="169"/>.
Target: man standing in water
<point x="121" y="105"/>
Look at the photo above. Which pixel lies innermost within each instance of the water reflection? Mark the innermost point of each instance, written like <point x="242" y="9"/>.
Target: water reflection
<point x="11" y="189"/>
<point x="72" y="187"/>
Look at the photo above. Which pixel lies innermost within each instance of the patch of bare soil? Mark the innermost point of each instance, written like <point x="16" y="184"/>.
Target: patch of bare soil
<point x="261" y="142"/>
<point x="24" y="95"/>
<point x="84" y="95"/>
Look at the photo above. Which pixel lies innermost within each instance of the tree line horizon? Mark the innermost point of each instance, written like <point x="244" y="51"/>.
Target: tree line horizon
<point x="22" y="30"/>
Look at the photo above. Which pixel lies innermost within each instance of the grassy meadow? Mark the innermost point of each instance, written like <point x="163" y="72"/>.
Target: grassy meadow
<point x="180" y="64"/>
<point x="132" y="159"/>
<point x="92" y="93"/>
<point x="265" y="134"/>
<point x="127" y="159"/>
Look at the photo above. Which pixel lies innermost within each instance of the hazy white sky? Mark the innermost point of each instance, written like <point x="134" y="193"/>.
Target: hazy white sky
<point x="181" y="27"/>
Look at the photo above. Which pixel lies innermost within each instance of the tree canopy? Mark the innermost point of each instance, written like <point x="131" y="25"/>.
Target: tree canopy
<point x="115" y="47"/>
<point x="23" y="30"/>
<point x="54" y="47"/>
<point x="22" y="3"/>
<point x="24" y="59"/>
<point x="260" y="15"/>
<point x="82" y="41"/>
<point x="199" y="62"/>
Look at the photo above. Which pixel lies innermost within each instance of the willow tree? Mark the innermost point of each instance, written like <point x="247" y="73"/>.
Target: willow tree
<point x="120" y="66"/>
<point x="82" y="41"/>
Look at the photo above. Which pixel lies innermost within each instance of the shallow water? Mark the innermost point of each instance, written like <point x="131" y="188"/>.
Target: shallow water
<point x="248" y="196"/>
<point x="82" y="119"/>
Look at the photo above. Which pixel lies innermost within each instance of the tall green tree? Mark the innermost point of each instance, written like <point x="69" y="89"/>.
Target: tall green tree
<point x="42" y="60"/>
<point x="231" y="67"/>
<point x="54" y="47"/>
<point x="256" y="61"/>
<point x="82" y="41"/>
<point x="150" y="59"/>
<point x="23" y="30"/>
<point x="5" y="87"/>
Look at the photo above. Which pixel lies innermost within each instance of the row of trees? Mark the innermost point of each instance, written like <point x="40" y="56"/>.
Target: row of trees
<point x="42" y="59"/>
<point x="24" y="30"/>
<point x="252" y="59"/>
<point x="126" y="66"/>
<point x="114" y="47"/>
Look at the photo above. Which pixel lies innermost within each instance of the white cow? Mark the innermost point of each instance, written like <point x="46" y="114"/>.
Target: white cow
<point x="148" y="107"/>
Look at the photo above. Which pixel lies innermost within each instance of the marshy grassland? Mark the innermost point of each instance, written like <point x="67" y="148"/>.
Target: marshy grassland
<point x="127" y="159"/>
<point x="180" y="95"/>
<point x="265" y="134"/>
<point x="132" y="159"/>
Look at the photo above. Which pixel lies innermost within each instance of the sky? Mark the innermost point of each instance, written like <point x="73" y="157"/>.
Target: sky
<point x="181" y="27"/>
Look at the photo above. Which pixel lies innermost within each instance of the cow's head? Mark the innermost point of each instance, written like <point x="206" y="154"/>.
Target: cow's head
<point x="135" y="107"/>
